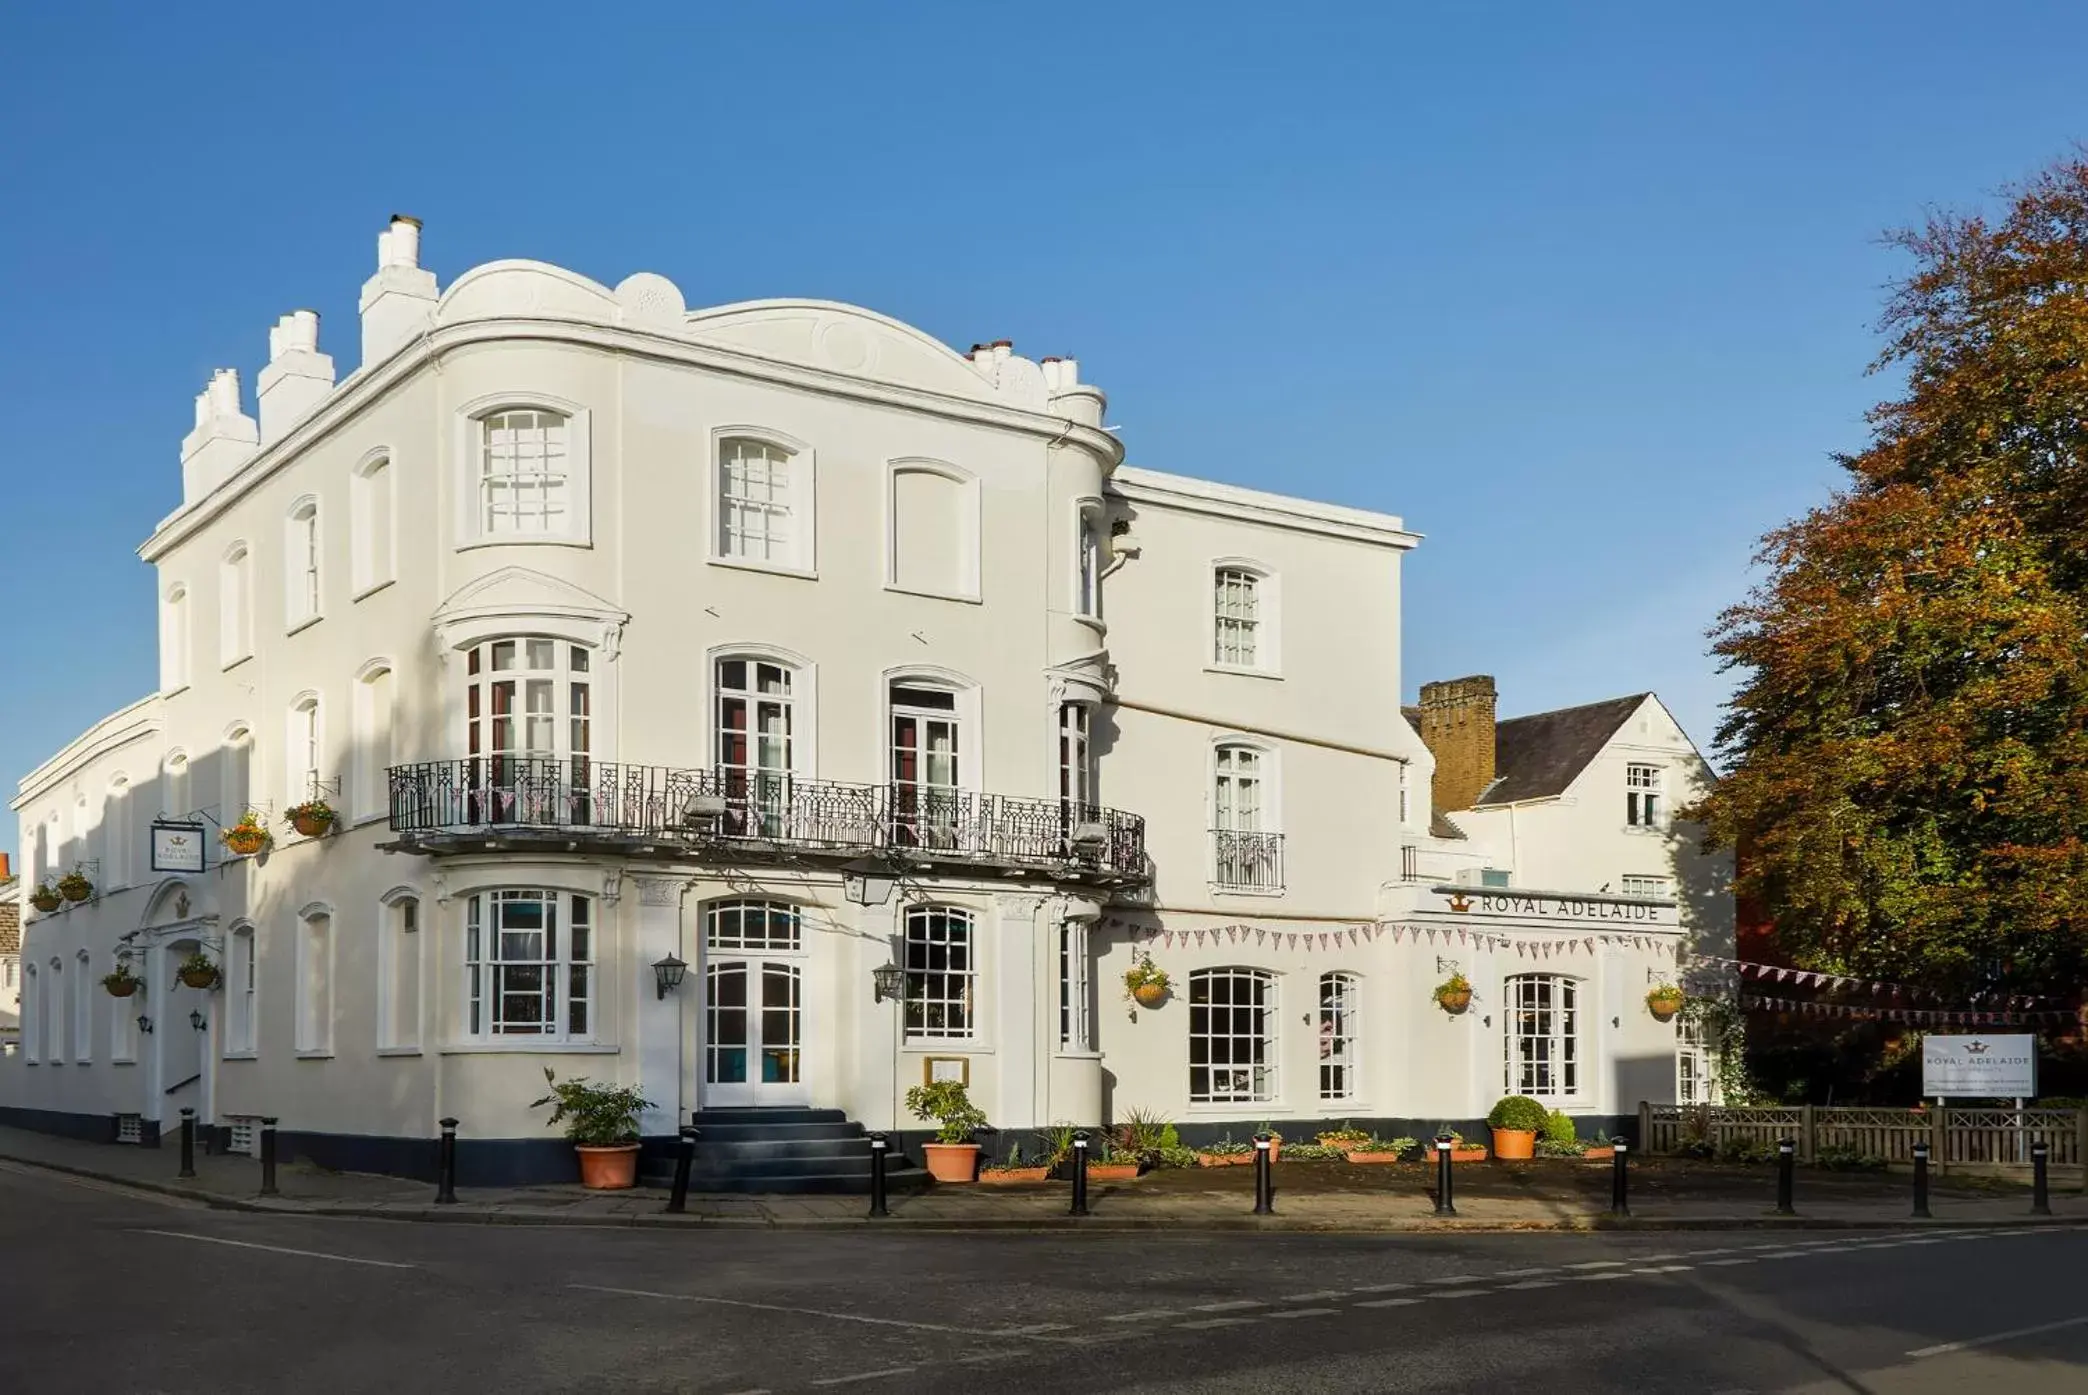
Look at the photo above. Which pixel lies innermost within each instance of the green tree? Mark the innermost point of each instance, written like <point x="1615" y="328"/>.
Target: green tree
<point x="1908" y="743"/>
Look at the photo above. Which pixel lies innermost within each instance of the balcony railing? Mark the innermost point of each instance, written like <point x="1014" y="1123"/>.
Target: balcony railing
<point x="755" y="812"/>
<point x="1246" y="861"/>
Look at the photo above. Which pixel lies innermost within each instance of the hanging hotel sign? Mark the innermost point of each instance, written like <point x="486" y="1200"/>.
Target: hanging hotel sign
<point x="177" y="846"/>
<point x="1525" y="905"/>
<point x="1979" y="1067"/>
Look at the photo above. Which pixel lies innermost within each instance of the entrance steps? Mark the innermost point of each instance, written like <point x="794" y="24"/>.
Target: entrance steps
<point x="781" y="1150"/>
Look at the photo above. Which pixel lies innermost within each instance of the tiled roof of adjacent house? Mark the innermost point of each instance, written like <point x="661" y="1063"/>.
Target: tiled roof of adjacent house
<point x="1538" y="756"/>
<point x="10" y="925"/>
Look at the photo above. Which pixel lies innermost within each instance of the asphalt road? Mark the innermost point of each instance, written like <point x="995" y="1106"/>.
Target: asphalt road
<point x="107" y="1290"/>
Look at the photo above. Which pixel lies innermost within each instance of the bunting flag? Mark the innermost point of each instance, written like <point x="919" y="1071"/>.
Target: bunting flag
<point x="1920" y="1017"/>
<point x="1898" y="992"/>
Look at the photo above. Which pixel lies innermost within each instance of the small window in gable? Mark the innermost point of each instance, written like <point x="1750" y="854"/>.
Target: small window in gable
<point x="933" y="538"/>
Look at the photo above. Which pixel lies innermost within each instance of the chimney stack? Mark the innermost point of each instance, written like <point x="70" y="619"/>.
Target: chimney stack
<point x="298" y="377"/>
<point x="222" y="441"/>
<point x="6" y="872"/>
<point x="1457" y="726"/>
<point x="399" y="301"/>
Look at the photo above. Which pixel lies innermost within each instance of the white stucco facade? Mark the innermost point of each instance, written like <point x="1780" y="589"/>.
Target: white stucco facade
<point x="619" y="633"/>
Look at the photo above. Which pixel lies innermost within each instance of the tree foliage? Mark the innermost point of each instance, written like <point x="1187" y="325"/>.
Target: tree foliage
<point x="1908" y="744"/>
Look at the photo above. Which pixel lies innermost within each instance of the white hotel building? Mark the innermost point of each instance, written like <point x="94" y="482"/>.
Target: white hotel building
<point x="780" y="640"/>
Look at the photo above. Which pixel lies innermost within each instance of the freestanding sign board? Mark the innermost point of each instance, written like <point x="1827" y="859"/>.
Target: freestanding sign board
<point x="1979" y="1067"/>
<point x="176" y="846"/>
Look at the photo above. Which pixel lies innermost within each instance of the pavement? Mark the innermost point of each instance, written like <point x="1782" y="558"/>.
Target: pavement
<point x="1666" y="1194"/>
<point x="106" y="1288"/>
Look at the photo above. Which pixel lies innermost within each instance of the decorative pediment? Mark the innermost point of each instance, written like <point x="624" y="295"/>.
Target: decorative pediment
<point x="521" y="600"/>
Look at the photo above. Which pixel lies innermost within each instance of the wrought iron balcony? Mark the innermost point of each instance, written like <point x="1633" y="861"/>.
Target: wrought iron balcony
<point x="1246" y="861"/>
<point x="736" y="814"/>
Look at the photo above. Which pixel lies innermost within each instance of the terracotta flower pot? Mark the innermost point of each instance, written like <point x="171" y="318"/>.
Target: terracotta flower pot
<point x="1112" y="1172"/>
<point x="1458" y="1155"/>
<point x="122" y="987"/>
<point x="1003" y="1175"/>
<point x="608" y="1169"/>
<point x="1663" y="1009"/>
<point x="1360" y="1156"/>
<point x="1275" y="1151"/>
<point x="1224" y="1159"/>
<point x="1514" y="1143"/>
<point x="199" y="978"/>
<point x="951" y="1162"/>
<point x="1149" y="995"/>
<point x="245" y="842"/>
<point x="311" y="825"/>
<point x="1599" y="1154"/>
<point x="1454" y="1001"/>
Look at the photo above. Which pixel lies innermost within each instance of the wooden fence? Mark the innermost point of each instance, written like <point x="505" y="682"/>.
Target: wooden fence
<point x="1965" y="1137"/>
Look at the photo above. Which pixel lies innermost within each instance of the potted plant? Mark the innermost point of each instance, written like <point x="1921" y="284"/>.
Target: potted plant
<point x="1516" y="1121"/>
<point x="122" y="983"/>
<point x="601" y="1122"/>
<point x="1558" y="1138"/>
<point x="311" y="818"/>
<point x="1144" y="984"/>
<point x="1602" y="1149"/>
<point x="1015" y="1168"/>
<point x="75" y="887"/>
<point x="1380" y="1150"/>
<point x="1109" y="1163"/>
<point x="1275" y="1141"/>
<point x="1664" y="1001"/>
<point x="1460" y="1151"/>
<point x="1344" y="1138"/>
<point x="197" y="971"/>
<point x="1454" y="994"/>
<point x="953" y="1157"/>
<point x="247" y="836"/>
<point x="1226" y="1152"/>
<point x="46" y="898"/>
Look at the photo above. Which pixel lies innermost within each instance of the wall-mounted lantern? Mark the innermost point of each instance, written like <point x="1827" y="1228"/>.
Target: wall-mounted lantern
<point x="887" y="981"/>
<point x="668" y="974"/>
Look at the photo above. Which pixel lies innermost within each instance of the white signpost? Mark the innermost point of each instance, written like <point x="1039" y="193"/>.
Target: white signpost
<point x="1979" y="1067"/>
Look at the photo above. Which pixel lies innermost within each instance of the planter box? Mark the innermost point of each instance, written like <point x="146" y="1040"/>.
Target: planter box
<point x="1225" y="1159"/>
<point x="1603" y="1153"/>
<point x="1112" y="1172"/>
<point x="1003" y="1175"/>
<point x="1458" y="1155"/>
<point x="1360" y="1156"/>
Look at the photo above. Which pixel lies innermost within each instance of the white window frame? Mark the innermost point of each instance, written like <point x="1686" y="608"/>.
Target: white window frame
<point x="1657" y="888"/>
<point x="119" y="857"/>
<point x="375" y="747"/>
<point x="801" y="556"/>
<point x="316" y="953"/>
<point x="482" y="975"/>
<point x="1263" y="1068"/>
<point x="468" y="463"/>
<point x="1338" y="1008"/>
<point x="304" y="564"/>
<point x="1693" y="1084"/>
<point x="236" y="755"/>
<point x="236" y="605"/>
<point x="83" y="1011"/>
<point x="32" y="1015"/>
<point x="176" y="632"/>
<point x="1563" y="1030"/>
<point x="304" y="740"/>
<point x="402" y="933"/>
<point x="242" y="992"/>
<point x="373" y="521"/>
<point x="1268" y="817"/>
<point x="1090" y="543"/>
<point x="176" y="797"/>
<point x="1645" y="795"/>
<point x="968" y="588"/>
<point x="952" y="1012"/>
<point x="1268" y="618"/>
<point x="1076" y="1016"/>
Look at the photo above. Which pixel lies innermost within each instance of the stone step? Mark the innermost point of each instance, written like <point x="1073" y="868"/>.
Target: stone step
<point x="792" y="1115"/>
<point x="709" y="1134"/>
<point x="712" y="1154"/>
<point x="701" y="1176"/>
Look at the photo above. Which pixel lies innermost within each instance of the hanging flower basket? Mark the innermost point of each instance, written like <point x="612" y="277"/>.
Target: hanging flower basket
<point x="198" y="972"/>
<point x="122" y="983"/>
<point x="46" y="898"/>
<point x="74" y="887"/>
<point x="312" y="818"/>
<point x="1145" y="984"/>
<point x="1664" y="1002"/>
<point x="1454" y="994"/>
<point x="247" y="837"/>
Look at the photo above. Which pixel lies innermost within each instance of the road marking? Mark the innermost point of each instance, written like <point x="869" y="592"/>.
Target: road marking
<point x="1382" y="1288"/>
<point x="1389" y="1303"/>
<point x="1322" y="1296"/>
<point x="1655" y="1259"/>
<point x="780" y="1308"/>
<point x="1722" y="1263"/>
<point x="1459" y="1292"/>
<point x="1597" y="1264"/>
<point x="1143" y="1315"/>
<point x="1208" y="1323"/>
<point x="1605" y="1274"/>
<point x="1524" y="1273"/>
<point x="1944" y="1348"/>
<point x="1230" y="1305"/>
<point x="1304" y="1312"/>
<point x="1456" y="1279"/>
<point x="279" y="1249"/>
<point x="865" y="1375"/>
<point x="1786" y="1254"/>
<point x="1530" y="1283"/>
<point x="1032" y="1330"/>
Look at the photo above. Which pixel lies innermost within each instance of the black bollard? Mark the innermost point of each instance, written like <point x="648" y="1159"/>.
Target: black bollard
<point x="2040" y="1189"/>
<point x="684" y="1159"/>
<point x="879" y="1146"/>
<point x="1264" y="1182"/>
<point x="1620" y="1204"/>
<point x="1786" y="1163"/>
<point x="1080" y="1150"/>
<point x="268" y="1158"/>
<point x="1921" y="1161"/>
<point x="446" y="1165"/>
<point x="188" y="1143"/>
<point x="1445" y="1206"/>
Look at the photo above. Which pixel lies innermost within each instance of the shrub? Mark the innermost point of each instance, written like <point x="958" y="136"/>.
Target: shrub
<point x="1518" y="1112"/>
<point x="1146" y="1132"/>
<point x="1347" y="1136"/>
<point x="595" y="1116"/>
<point x="949" y="1105"/>
<point x="1227" y="1147"/>
<point x="1550" y="1147"/>
<point x="1314" y="1152"/>
<point x="1558" y="1128"/>
<point x="1176" y="1156"/>
<point x="1744" y="1150"/>
<point x="1399" y="1146"/>
<point x="1842" y="1157"/>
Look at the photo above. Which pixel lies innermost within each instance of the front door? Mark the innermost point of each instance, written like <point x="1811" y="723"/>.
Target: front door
<point x="753" y="1033"/>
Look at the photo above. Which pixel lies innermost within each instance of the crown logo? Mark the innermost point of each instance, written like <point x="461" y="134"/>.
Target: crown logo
<point x="1975" y="1048"/>
<point x="1460" y="902"/>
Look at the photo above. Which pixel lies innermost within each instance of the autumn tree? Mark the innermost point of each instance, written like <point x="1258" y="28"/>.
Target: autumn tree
<point x="1908" y="744"/>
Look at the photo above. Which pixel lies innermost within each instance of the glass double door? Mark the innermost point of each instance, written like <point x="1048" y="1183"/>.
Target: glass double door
<point x="753" y="1032"/>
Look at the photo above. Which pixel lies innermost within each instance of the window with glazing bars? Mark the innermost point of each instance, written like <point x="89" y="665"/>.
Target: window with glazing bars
<point x="1237" y="616"/>
<point x="523" y="978"/>
<point x="940" y="972"/>
<point x="1232" y="1043"/>
<point x="524" y="476"/>
<point x="754" y="514"/>
<point x="1542" y="1038"/>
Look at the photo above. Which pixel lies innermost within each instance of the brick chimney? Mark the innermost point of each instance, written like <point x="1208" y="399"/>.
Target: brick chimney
<point x="1457" y="725"/>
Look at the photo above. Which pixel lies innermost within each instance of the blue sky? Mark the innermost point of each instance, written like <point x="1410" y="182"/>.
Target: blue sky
<point x="1585" y="293"/>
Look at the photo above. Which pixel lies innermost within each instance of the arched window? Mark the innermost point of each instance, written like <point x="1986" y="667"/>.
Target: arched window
<point x="32" y="1014"/>
<point x="941" y="973"/>
<point x="1541" y="1037"/>
<point x="315" y="991"/>
<point x="758" y="504"/>
<point x="83" y="1010"/>
<point x="302" y="558"/>
<point x="932" y="538"/>
<point x="399" y="972"/>
<point x="1246" y="846"/>
<point x="58" y="1020"/>
<point x="525" y="479"/>
<point x="174" y="786"/>
<point x="756" y="743"/>
<point x="1244" y="632"/>
<point x="174" y="639"/>
<point x="370" y="520"/>
<point x="373" y="751"/>
<point x="118" y="861"/>
<point x="1232" y="1036"/>
<point x="768" y="927"/>
<point x="529" y="965"/>
<point x="242" y="993"/>
<point x="1087" y="574"/>
<point x="931" y="762"/>
<point x="83" y="841"/>
<point x="1339" y="999"/>
<point x="236" y="772"/>
<point x="235" y="605"/>
<point x="303" y="750"/>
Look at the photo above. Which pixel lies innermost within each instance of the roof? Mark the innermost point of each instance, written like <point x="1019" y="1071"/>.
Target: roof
<point x="1538" y="756"/>
<point x="10" y="926"/>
